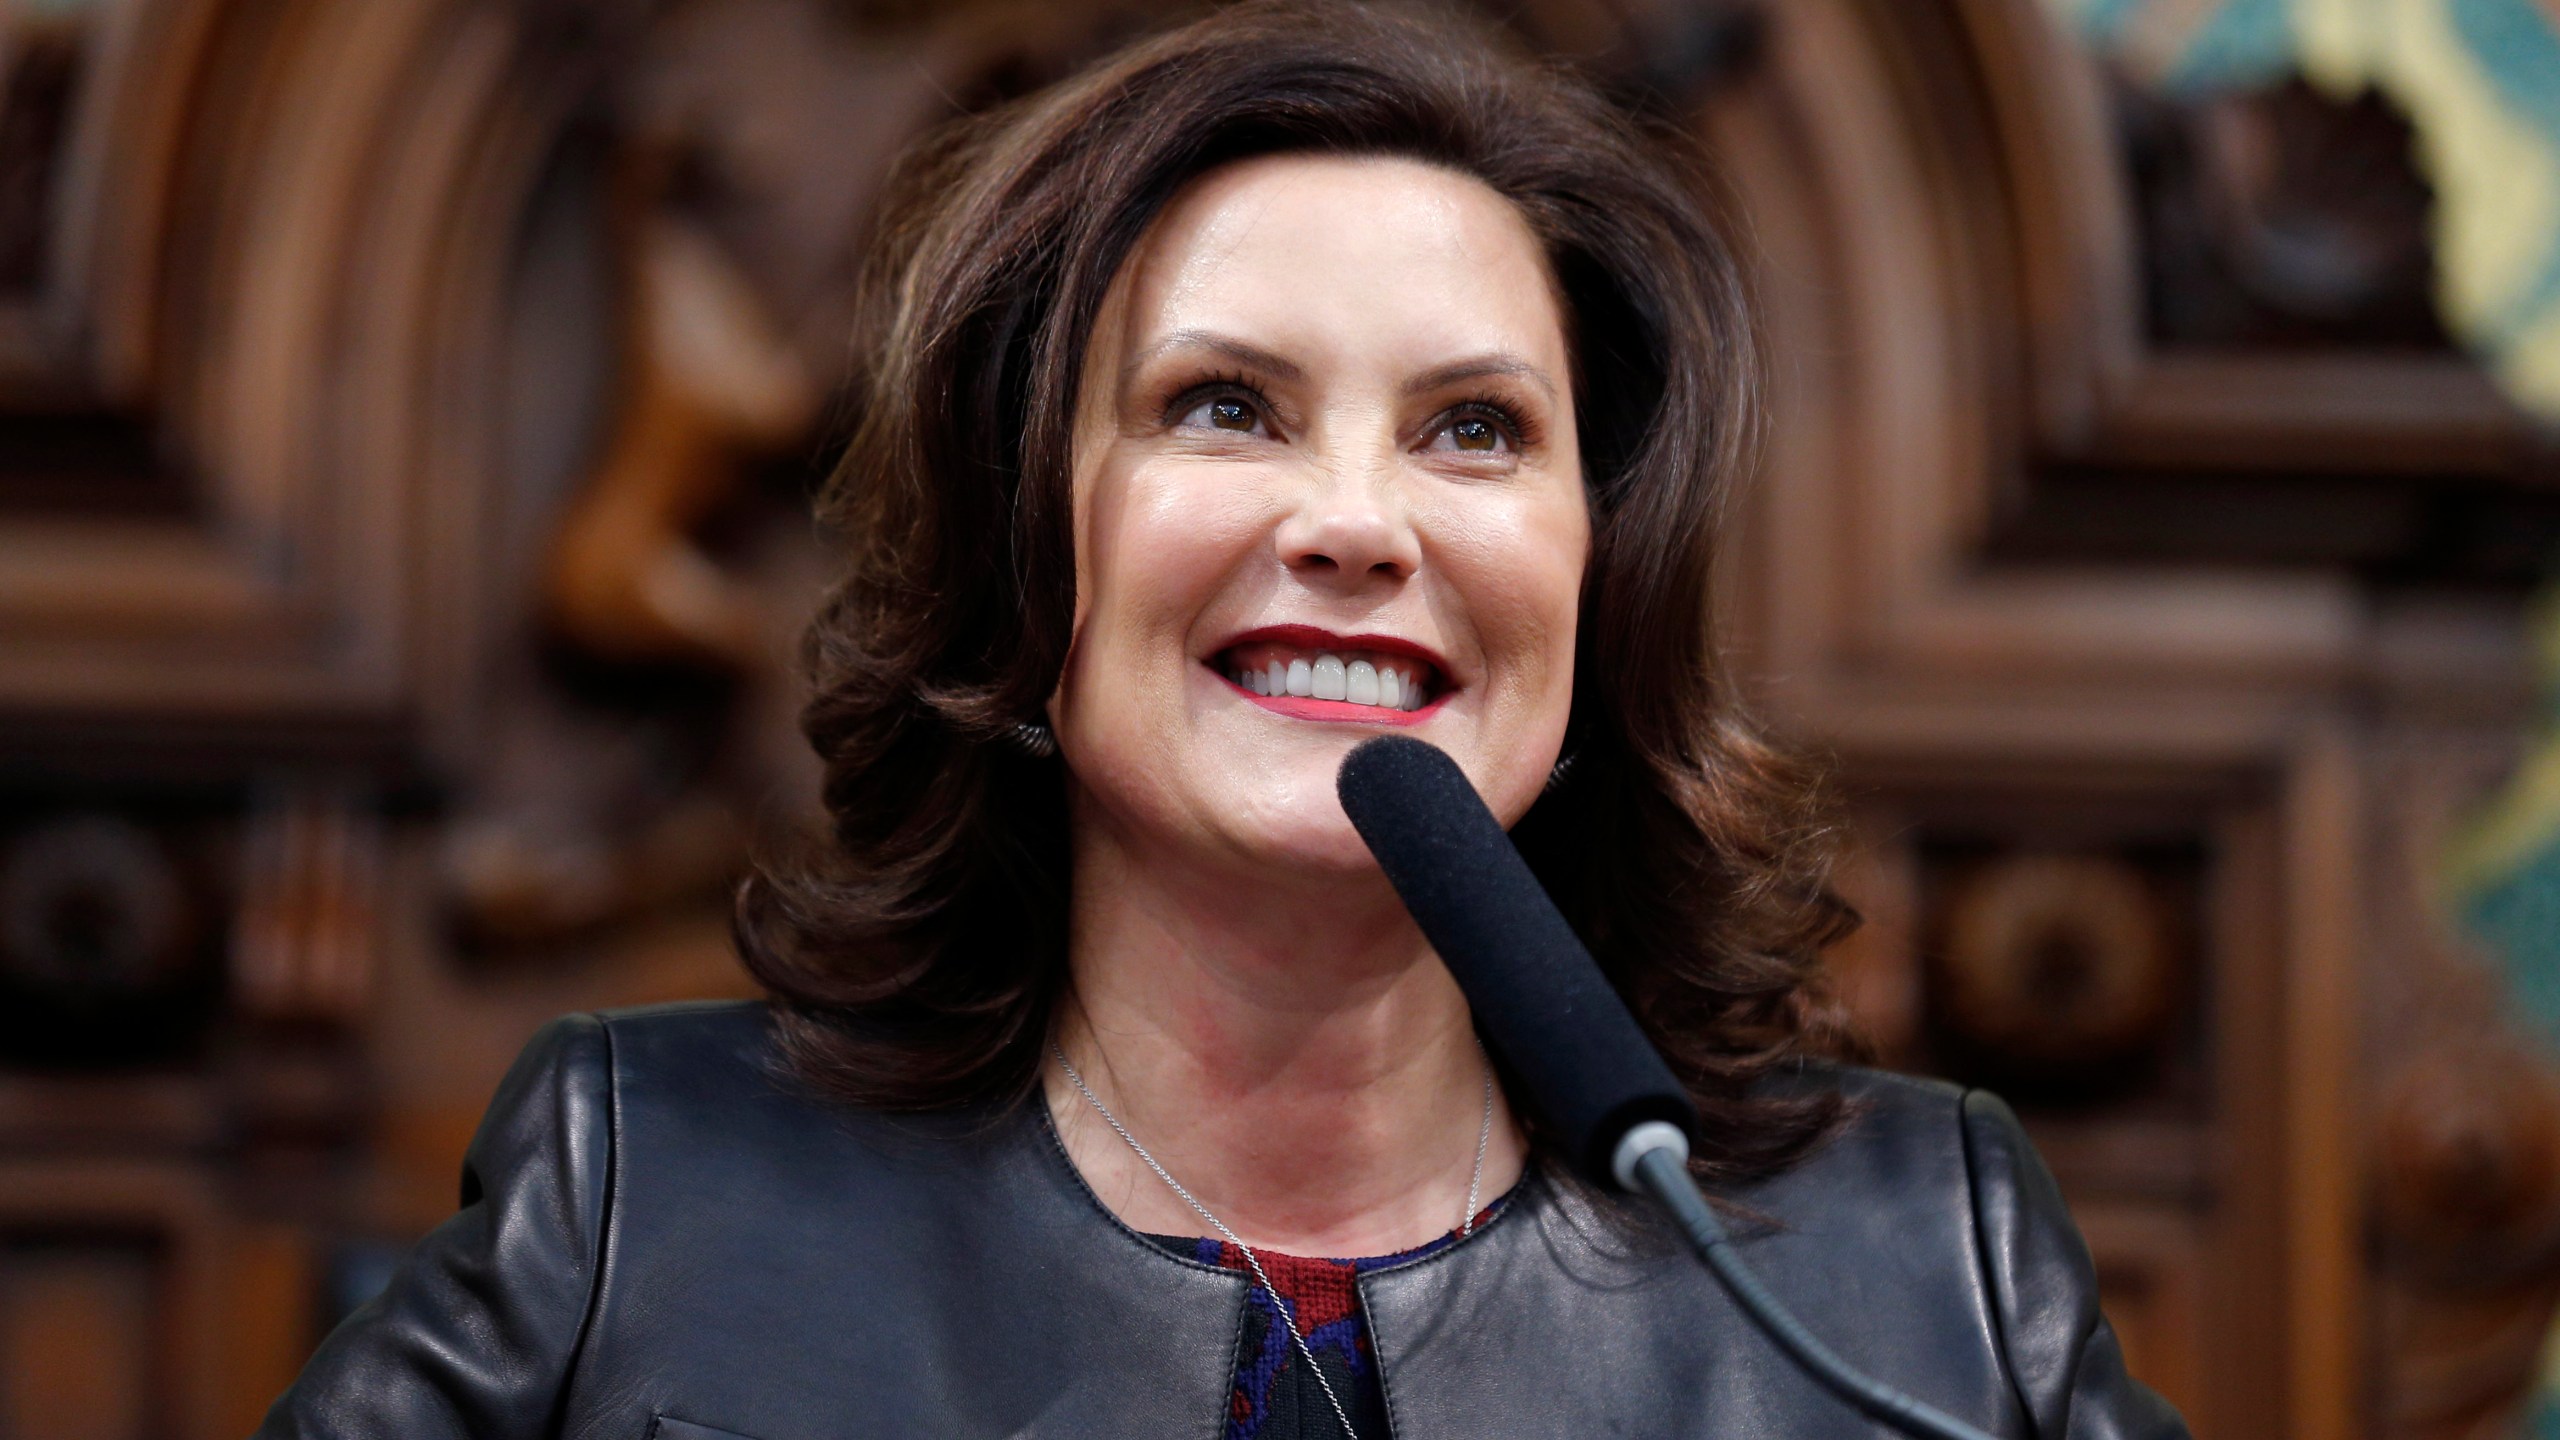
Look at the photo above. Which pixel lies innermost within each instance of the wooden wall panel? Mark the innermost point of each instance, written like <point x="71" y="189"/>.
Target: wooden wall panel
<point x="78" y="1320"/>
<point x="2084" y="613"/>
<point x="2150" y="1279"/>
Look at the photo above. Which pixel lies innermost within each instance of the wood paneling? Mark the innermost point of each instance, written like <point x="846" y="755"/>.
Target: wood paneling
<point x="77" y="1321"/>
<point x="2150" y="1279"/>
<point x="2126" y="642"/>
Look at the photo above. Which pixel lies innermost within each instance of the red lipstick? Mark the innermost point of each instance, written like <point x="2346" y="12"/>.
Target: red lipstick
<point x="1386" y="674"/>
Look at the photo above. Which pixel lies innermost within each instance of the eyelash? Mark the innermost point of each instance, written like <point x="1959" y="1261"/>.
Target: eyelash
<point x="1217" y="386"/>
<point x="1515" y="427"/>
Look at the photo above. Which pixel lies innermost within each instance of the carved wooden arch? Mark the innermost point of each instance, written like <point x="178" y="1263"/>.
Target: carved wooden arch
<point x="1960" y="288"/>
<point x="267" y="350"/>
<point x="258" y="348"/>
<point x="281" y="252"/>
<point x="281" y="260"/>
<point x="1951" y="290"/>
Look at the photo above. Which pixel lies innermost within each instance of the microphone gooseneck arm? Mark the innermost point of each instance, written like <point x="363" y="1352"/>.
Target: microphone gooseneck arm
<point x="1547" y="1011"/>
<point x="1662" y="1171"/>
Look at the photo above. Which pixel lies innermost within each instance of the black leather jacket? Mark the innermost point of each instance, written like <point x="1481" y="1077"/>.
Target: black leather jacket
<point x="659" y="1238"/>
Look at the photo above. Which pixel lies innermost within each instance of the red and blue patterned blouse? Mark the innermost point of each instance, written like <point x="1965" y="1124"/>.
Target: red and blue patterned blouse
<point x="1274" y="1398"/>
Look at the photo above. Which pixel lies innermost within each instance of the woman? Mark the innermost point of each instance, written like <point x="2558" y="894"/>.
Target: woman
<point x="1299" y="376"/>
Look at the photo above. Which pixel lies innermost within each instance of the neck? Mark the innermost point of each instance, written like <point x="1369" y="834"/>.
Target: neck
<point x="1296" y="1056"/>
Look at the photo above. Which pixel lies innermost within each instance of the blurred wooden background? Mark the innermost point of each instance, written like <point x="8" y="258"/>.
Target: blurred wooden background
<point x="406" y="411"/>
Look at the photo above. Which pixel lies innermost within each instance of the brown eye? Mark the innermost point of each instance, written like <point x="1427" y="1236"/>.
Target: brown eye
<point x="1235" y="414"/>
<point x="1474" y="434"/>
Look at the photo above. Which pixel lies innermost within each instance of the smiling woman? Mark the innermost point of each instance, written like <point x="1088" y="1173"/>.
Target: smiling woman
<point x="1303" y="374"/>
<point x="1301" y="338"/>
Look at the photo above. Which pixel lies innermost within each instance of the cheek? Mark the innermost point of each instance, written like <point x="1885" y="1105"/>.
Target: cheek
<point x="1519" y="567"/>
<point x="1157" y="544"/>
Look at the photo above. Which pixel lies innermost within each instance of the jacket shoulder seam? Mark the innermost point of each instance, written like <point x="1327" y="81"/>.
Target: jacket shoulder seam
<point x="674" y="1010"/>
<point x="2001" y="1319"/>
<point x="605" y="1228"/>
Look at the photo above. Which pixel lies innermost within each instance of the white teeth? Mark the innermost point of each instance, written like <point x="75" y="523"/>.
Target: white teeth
<point x="1330" y="677"/>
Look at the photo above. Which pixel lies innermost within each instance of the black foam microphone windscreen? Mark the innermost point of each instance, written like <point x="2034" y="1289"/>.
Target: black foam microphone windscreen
<point x="1540" y="1000"/>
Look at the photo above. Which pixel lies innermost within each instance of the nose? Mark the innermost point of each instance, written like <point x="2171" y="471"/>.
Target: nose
<point x="1348" y="531"/>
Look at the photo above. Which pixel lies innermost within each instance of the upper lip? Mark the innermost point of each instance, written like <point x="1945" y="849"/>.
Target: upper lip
<point x="1314" y="638"/>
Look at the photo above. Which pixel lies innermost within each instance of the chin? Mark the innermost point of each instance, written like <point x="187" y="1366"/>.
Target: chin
<point x="1285" y="816"/>
<point x="1314" y="849"/>
<point x="1293" y="820"/>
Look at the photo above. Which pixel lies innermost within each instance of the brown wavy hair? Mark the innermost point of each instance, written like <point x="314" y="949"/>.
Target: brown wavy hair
<point x="917" y="959"/>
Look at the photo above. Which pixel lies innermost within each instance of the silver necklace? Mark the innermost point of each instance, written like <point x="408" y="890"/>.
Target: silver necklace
<point x="1280" y="1302"/>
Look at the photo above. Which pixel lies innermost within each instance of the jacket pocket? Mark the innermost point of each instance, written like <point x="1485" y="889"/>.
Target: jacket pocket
<point x="668" y="1427"/>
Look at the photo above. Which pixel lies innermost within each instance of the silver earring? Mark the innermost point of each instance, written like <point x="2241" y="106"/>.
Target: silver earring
<point x="1564" y="764"/>
<point x="1034" y="739"/>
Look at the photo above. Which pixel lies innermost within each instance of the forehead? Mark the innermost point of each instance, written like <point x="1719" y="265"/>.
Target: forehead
<point x="1329" y="258"/>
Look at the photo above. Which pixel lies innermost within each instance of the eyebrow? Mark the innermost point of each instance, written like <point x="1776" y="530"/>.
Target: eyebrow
<point x="1279" y="367"/>
<point x="1276" y="366"/>
<point x="1477" y="367"/>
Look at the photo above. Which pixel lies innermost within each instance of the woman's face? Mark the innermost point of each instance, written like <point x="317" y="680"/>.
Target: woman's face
<point x="1326" y="487"/>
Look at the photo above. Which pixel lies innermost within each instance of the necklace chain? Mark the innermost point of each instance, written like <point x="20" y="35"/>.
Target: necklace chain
<point x="1280" y="1302"/>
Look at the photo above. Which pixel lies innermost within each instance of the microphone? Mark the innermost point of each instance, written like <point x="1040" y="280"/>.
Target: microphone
<point x="1539" y="1000"/>
<point x="1543" y="1006"/>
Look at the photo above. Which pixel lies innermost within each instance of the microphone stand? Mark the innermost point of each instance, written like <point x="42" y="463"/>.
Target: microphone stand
<point x="1544" y="1006"/>
<point x="1653" y="1159"/>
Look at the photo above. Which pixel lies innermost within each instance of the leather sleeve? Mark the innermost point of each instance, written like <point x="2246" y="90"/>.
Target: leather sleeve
<point x="475" y="1334"/>
<point x="2062" y="1354"/>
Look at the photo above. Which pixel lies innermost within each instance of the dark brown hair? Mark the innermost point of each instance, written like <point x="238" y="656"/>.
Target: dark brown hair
<point x="916" y="960"/>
